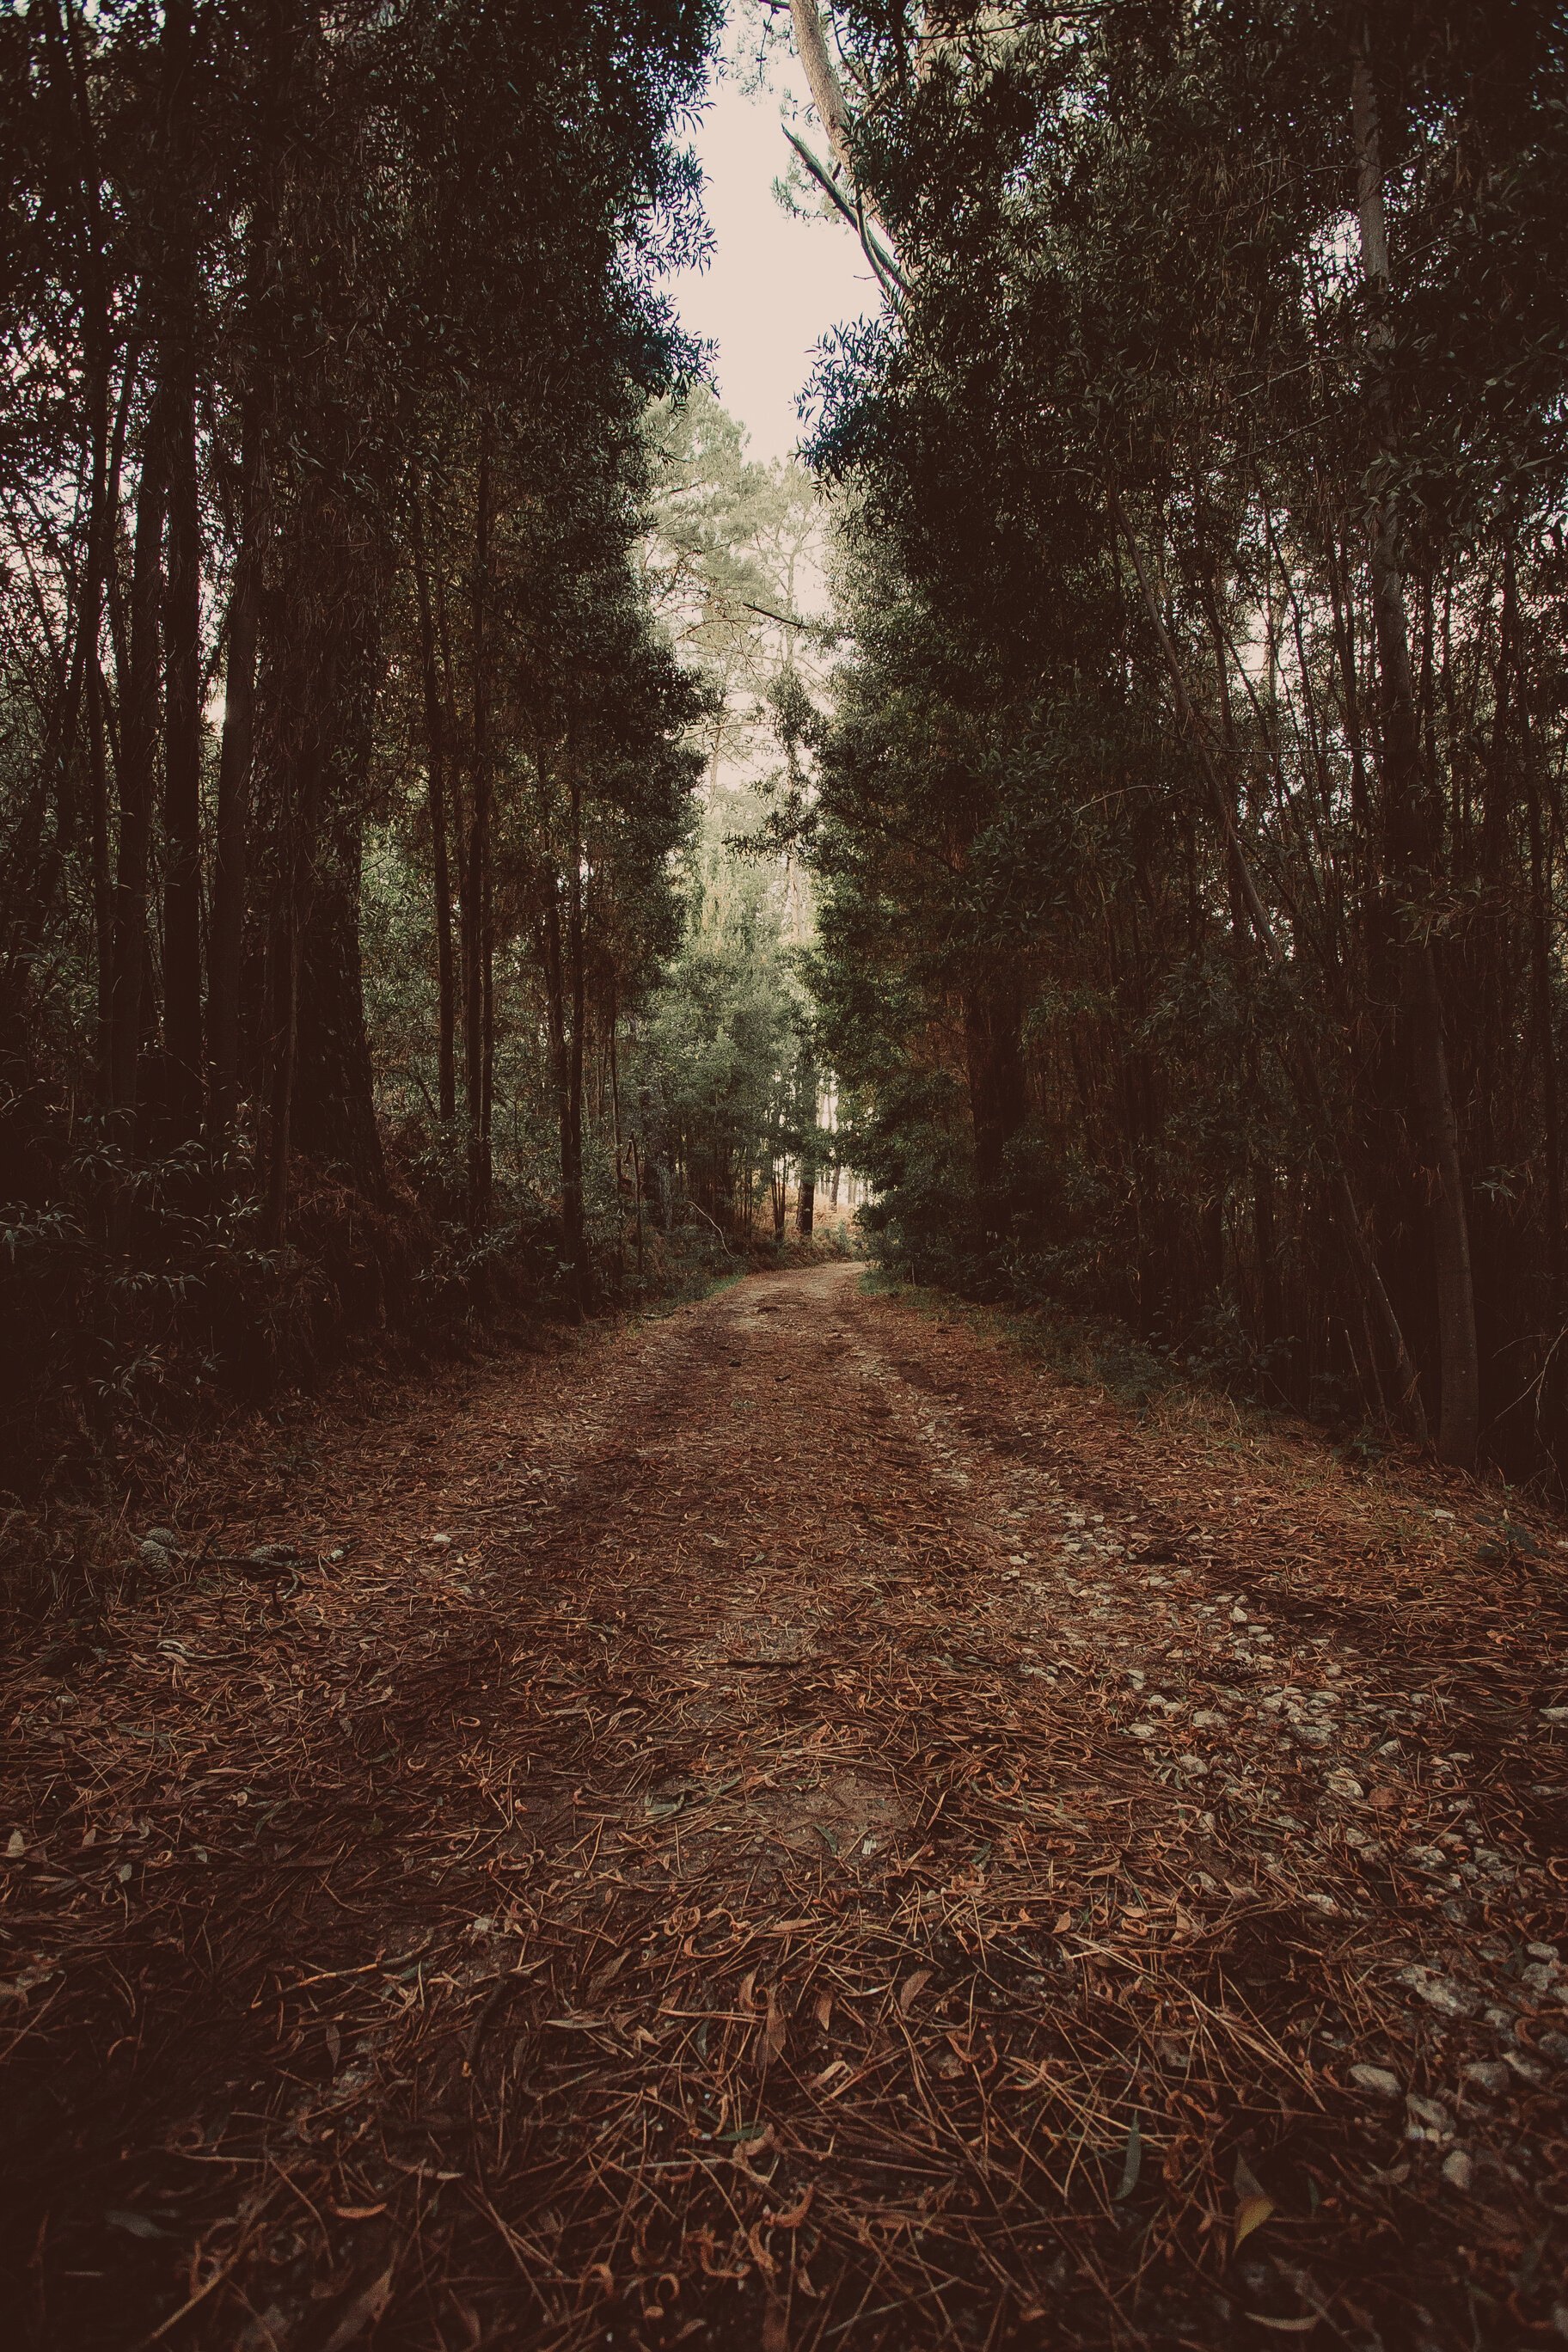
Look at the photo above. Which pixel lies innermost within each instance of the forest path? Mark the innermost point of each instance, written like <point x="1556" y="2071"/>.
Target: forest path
<point x="790" y="1825"/>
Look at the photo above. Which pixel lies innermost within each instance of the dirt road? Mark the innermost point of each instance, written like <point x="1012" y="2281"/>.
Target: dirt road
<point x="788" y="1826"/>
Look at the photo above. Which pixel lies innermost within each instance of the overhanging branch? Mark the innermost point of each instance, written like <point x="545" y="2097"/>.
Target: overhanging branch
<point x="876" y="252"/>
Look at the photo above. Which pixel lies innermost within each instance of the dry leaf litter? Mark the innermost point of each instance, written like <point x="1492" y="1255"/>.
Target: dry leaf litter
<point x="791" y="1826"/>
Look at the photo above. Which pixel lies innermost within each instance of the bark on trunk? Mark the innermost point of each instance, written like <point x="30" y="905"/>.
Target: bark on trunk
<point x="636" y="1194"/>
<point x="557" y="983"/>
<point x="436" y="765"/>
<point x="993" y="1049"/>
<point x="822" y="79"/>
<point x="475" y="893"/>
<point x="1542" y="968"/>
<point x="805" y="1197"/>
<point x="334" y="1121"/>
<point x="137" y="770"/>
<point x="231" y="847"/>
<point x="182" y="771"/>
<point x="285" y="1056"/>
<point x="232" y="833"/>
<point x="182" y="623"/>
<point x="84" y="685"/>
<point x="572" y="1208"/>
<point x="1409" y="828"/>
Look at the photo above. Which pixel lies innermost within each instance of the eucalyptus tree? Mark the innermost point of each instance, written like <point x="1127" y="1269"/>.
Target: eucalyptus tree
<point x="320" y="326"/>
<point x="712" y="1071"/>
<point x="1207" y="465"/>
<point x="732" y="562"/>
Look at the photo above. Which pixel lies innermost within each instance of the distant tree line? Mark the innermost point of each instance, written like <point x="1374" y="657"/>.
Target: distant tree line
<point x="1190" y="826"/>
<point x="729" y="1088"/>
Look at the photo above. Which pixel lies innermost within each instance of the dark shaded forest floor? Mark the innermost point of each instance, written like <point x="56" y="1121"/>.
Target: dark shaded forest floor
<point x="789" y="1826"/>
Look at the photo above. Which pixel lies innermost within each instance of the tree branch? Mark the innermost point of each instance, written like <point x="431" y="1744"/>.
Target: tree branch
<point x="876" y="252"/>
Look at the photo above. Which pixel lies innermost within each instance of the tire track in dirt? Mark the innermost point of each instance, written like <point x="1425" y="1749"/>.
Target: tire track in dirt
<point x="787" y="1828"/>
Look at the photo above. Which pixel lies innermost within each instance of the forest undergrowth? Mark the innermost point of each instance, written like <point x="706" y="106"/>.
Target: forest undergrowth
<point x="796" y="1824"/>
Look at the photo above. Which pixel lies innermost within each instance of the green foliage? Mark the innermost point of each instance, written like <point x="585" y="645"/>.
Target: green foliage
<point x="1131" y="854"/>
<point x="712" y="1070"/>
<point x="329" y="349"/>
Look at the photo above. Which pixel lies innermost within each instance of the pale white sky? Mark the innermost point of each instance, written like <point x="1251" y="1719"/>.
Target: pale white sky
<point x="776" y="285"/>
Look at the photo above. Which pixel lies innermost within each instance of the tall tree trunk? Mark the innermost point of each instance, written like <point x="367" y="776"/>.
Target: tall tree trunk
<point x="102" y="872"/>
<point x="97" y="342"/>
<point x="822" y="81"/>
<point x="476" y="895"/>
<point x="334" y="1122"/>
<point x="137" y="770"/>
<point x="636" y="1194"/>
<point x="232" y="831"/>
<point x="436" y="767"/>
<point x="994" y="1050"/>
<point x="1410" y="830"/>
<point x="1542" y="968"/>
<point x="74" y="134"/>
<point x="231" y="847"/>
<point x="298" y="791"/>
<point x="285" y="1053"/>
<point x="805" y="1197"/>
<point x="96" y="720"/>
<point x="488" y="1014"/>
<point x="571" y="1139"/>
<point x="182" y="625"/>
<point x="182" y="771"/>
<point x="556" y="985"/>
<point x="616" y="1125"/>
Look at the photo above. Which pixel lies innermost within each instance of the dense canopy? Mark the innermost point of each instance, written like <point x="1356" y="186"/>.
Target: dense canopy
<point x="1192" y="818"/>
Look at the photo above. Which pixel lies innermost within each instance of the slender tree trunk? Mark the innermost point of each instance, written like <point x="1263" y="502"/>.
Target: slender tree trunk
<point x="182" y="771"/>
<point x="488" y="1015"/>
<point x="475" y="894"/>
<point x="1409" y="828"/>
<point x="436" y="763"/>
<point x="231" y="847"/>
<point x="636" y="1188"/>
<point x="83" y="686"/>
<point x="615" y="1123"/>
<point x="1269" y="1321"/>
<point x="302" y="789"/>
<point x="805" y="1197"/>
<point x="95" y="713"/>
<point x="1541" y="964"/>
<point x="97" y="334"/>
<point x="103" y="873"/>
<point x="334" y="1121"/>
<point x="286" y="1041"/>
<point x="992" y="1032"/>
<point x="571" y="1140"/>
<point x="232" y="831"/>
<point x="137" y="770"/>
<point x="182" y="625"/>
<point x="554" y="960"/>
